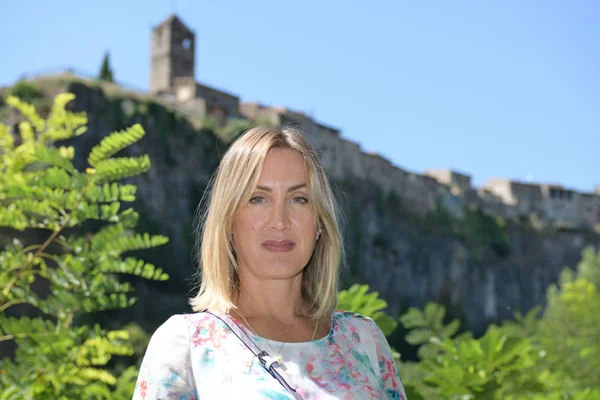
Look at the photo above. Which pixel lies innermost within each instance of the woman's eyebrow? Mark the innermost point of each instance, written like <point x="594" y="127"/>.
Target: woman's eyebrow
<point x="291" y="189"/>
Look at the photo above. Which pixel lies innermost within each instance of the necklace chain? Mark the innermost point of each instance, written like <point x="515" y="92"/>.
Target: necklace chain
<point x="278" y="355"/>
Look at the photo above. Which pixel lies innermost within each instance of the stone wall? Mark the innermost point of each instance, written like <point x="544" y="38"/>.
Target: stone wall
<point x="562" y="206"/>
<point x="220" y="104"/>
<point x="590" y="209"/>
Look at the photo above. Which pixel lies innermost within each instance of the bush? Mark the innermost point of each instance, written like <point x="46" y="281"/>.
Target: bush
<point x="26" y="91"/>
<point x="41" y="191"/>
<point x="555" y="356"/>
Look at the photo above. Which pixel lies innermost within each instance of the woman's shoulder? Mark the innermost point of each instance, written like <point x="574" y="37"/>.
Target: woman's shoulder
<point x="173" y="332"/>
<point x="180" y="325"/>
<point x="350" y="322"/>
<point x="358" y="323"/>
<point x="352" y="318"/>
<point x="194" y="318"/>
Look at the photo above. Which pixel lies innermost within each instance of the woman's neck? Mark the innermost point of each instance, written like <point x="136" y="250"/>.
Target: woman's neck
<point x="276" y="301"/>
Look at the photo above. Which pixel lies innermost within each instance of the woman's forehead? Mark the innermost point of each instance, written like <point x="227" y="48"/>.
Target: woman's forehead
<point x="283" y="165"/>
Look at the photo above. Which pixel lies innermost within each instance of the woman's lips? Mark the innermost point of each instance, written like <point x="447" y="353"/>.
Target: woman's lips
<point x="278" y="246"/>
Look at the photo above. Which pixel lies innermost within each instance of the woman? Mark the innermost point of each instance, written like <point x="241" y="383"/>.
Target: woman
<point x="265" y="324"/>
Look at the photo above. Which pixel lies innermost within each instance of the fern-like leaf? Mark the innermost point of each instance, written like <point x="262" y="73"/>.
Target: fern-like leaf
<point x="105" y="236"/>
<point x="14" y="219"/>
<point x="25" y="326"/>
<point x="119" y="168"/>
<point x="66" y="303"/>
<point x="98" y="374"/>
<point x="28" y="111"/>
<point x="35" y="208"/>
<point x="56" y="178"/>
<point x="137" y="242"/>
<point x="7" y="141"/>
<point x="99" y="350"/>
<point x="111" y="192"/>
<point x="52" y="156"/>
<point x="113" y="143"/>
<point x="64" y="124"/>
<point x="133" y="266"/>
<point x="27" y="132"/>
<point x="60" y="198"/>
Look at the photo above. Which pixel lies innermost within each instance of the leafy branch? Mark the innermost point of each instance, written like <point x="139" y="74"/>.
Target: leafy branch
<point x="41" y="189"/>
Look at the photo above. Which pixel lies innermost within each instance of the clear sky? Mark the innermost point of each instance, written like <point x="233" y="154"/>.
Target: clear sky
<point x="490" y="88"/>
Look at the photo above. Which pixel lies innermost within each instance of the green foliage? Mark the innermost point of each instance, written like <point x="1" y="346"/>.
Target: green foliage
<point x="589" y="266"/>
<point x="569" y="331"/>
<point x="552" y="356"/>
<point x="440" y="221"/>
<point x="111" y="169"/>
<point x="427" y="325"/>
<point x="106" y="73"/>
<point x="234" y="128"/>
<point x="210" y="125"/>
<point x="481" y="231"/>
<point x="41" y="190"/>
<point x="356" y="299"/>
<point x="25" y="91"/>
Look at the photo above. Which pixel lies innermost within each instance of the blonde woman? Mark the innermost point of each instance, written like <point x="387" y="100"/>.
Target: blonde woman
<point x="264" y="324"/>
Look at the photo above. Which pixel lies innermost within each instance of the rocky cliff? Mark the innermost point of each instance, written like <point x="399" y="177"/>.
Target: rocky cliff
<point x="483" y="268"/>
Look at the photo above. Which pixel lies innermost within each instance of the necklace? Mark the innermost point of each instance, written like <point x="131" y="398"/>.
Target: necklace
<point x="277" y="356"/>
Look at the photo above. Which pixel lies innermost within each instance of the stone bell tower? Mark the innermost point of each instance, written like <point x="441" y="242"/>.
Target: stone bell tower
<point x="172" y="52"/>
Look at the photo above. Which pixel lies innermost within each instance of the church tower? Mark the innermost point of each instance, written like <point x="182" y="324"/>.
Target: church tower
<point x="172" y="52"/>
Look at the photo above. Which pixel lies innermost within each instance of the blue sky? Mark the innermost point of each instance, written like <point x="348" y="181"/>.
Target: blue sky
<point x="490" y="88"/>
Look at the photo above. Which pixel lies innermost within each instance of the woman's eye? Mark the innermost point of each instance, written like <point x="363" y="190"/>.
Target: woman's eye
<point x="257" y="199"/>
<point x="301" y="200"/>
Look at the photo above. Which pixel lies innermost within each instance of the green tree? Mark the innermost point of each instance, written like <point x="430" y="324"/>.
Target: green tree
<point x="106" y="73"/>
<point x="74" y="269"/>
<point x="569" y="331"/>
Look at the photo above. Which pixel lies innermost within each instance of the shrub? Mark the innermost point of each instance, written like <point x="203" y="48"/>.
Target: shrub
<point x="26" y="91"/>
<point x="41" y="191"/>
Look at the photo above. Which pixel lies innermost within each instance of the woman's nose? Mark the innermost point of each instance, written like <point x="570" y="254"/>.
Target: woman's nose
<point x="279" y="217"/>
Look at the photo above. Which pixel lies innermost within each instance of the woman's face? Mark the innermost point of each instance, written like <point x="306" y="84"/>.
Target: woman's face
<point x="275" y="232"/>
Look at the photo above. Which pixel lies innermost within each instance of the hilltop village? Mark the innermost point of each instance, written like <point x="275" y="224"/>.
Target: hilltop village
<point x="172" y="79"/>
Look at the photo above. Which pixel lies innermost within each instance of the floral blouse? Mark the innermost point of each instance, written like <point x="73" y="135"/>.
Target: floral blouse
<point x="196" y="356"/>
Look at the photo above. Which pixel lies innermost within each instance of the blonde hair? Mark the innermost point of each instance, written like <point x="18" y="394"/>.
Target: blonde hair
<point x="235" y="180"/>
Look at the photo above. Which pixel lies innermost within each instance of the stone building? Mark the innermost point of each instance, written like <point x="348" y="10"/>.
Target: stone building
<point x="553" y="204"/>
<point x="526" y="198"/>
<point x="172" y="73"/>
<point x="172" y="55"/>
<point x="461" y="183"/>
<point x="589" y="210"/>
<point x="561" y="205"/>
